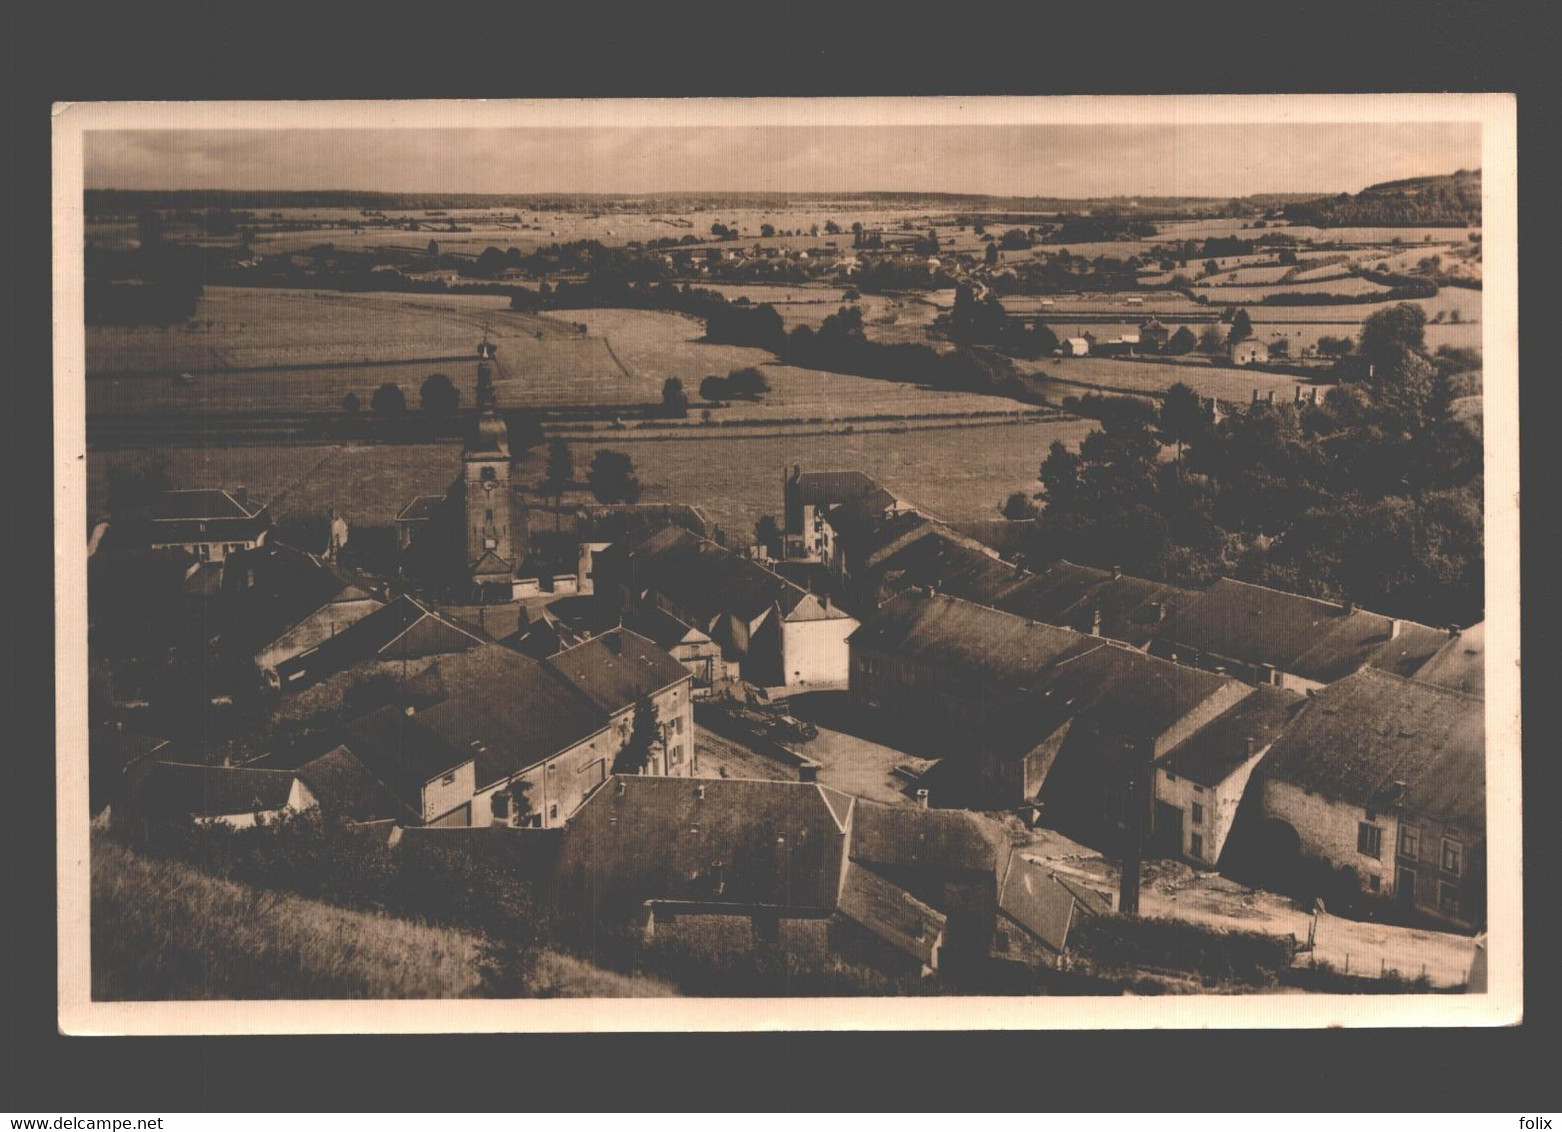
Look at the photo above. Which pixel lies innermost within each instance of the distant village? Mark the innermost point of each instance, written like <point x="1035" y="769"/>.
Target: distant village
<point x="638" y="717"/>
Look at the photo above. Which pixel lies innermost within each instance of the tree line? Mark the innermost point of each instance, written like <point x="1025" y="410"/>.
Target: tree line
<point x="1374" y="494"/>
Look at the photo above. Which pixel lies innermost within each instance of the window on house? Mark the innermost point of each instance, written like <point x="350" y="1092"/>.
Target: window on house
<point x="1001" y="941"/>
<point x="449" y="779"/>
<point x="1369" y="839"/>
<point x="553" y="811"/>
<point x="486" y="474"/>
<point x="1453" y="857"/>
<point x="1198" y="814"/>
<point x="488" y="516"/>
<point x="1197" y="789"/>
<point x="1374" y="883"/>
<point x="1410" y="843"/>
<point x="1170" y="777"/>
<point x="1448" y="898"/>
<point x="675" y="756"/>
<point x="1197" y="846"/>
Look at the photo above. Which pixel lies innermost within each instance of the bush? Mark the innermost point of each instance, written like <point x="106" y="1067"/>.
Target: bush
<point x="1123" y="943"/>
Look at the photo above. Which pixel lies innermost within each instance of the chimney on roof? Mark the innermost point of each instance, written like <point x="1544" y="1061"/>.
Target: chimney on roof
<point x="699" y="791"/>
<point x="1255" y="396"/>
<point x="1159" y="609"/>
<point x="923" y="797"/>
<point x="1396" y="626"/>
<point x="621" y="788"/>
<point x="1454" y="630"/>
<point x="1252" y="745"/>
<point x="1348" y="607"/>
<point x="826" y="598"/>
<point x="1117" y="572"/>
<point x="1271" y="396"/>
<point x="1095" y="623"/>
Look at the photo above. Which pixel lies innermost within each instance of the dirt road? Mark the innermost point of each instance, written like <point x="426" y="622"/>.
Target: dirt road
<point x="1176" y="891"/>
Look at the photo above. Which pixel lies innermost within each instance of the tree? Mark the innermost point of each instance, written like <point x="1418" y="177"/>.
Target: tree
<point x="350" y="403"/>
<point x="990" y="256"/>
<point x="439" y="396"/>
<point x="644" y="732"/>
<point x="1332" y="347"/>
<point x="1241" y="328"/>
<point x="749" y="382"/>
<point x="1210" y="340"/>
<point x="560" y="473"/>
<point x="767" y="230"/>
<point x="1019" y="506"/>
<point x="1388" y="333"/>
<point x="675" y="402"/>
<point x="1181" y="342"/>
<point x="433" y="248"/>
<point x="713" y="388"/>
<point x="388" y="400"/>
<point x="767" y="533"/>
<point x="831" y="228"/>
<point x="611" y="477"/>
<point x="1181" y="419"/>
<point x="1060" y="476"/>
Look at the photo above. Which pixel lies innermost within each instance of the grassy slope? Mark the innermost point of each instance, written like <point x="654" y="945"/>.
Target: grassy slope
<point x="166" y="930"/>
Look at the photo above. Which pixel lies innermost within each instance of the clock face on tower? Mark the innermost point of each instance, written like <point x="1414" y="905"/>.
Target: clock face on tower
<point x="489" y="485"/>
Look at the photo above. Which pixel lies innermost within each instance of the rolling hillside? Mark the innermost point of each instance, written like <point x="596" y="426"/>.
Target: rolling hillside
<point x="165" y="930"/>
<point x="1454" y="199"/>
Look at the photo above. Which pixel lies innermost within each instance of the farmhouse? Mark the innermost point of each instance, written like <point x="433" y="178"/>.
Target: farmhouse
<point x="213" y="795"/>
<point x="1051" y="717"/>
<point x="1154" y="336"/>
<point x="555" y="726"/>
<point x="1104" y="603"/>
<point x="781" y="634"/>
<point x="794" y="863"/>
<point x="1268" y="636"/>
<point x="1074" y="347"/>
<point x="388" y="765"/>
<point x="1200" y="783"/>
<point x="810" y="497"/>
<point x="281" y="602"/>
<point x="1379" y="789"/>
<point x="209" y="523"/>
<point x="1248" y="352"/>
<point x="692" y="648"/>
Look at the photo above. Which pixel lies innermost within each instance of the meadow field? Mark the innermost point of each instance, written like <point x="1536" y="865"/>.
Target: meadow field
<point x="1229" y="383"/>
<point x="954" y="472"/>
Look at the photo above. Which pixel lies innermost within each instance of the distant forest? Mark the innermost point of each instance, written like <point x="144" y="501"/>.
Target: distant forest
<point x="1424" y="201"/>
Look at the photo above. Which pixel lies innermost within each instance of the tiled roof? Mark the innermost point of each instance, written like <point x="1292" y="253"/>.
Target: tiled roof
<point x="996" y="647"/>
<point x="518" y="711"/>
<point x="915" y="838"/>
<point x="401" y="630"/>
<point x="202" y="503"/>
<point x="1131" y="609"/>
<point x="1359" y="736"/>
<point x="617" y="669"/>
<point x="1218" y="748"/>
<point x="401" y="753"/>
<point x="1460" y="664"/>
<point x="956" y="566"/>
<point x="344" y="785"/>
<point x="735" y="841"/>
<point x="1043" y="904"/>
<point x="708" y="579"/>
<point x="421" y="508"/>
<point x="1309" y="637"/>
<point x="192" y="790"/>
<point x="892" y="914"/>
<point x="831" y="487"/>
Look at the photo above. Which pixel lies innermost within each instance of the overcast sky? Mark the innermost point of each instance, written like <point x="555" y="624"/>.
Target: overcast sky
<point x="1030" y="160"/>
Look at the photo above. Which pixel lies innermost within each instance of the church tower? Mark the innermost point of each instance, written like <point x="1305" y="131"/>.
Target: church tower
<point x="490" y="527"/>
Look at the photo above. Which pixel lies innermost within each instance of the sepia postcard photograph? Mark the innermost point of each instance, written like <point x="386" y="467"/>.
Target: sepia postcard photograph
<point x="755" y="564"/>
